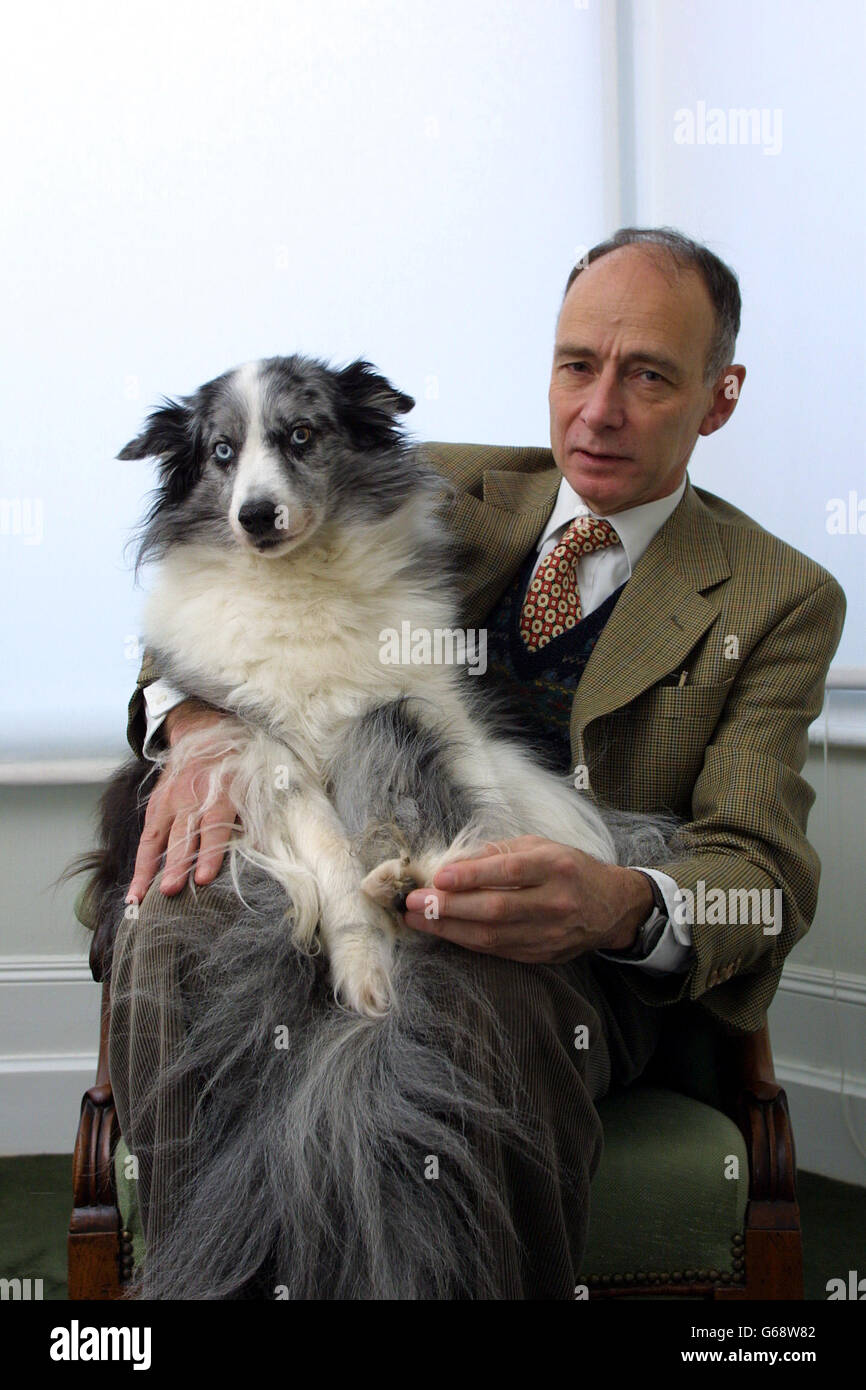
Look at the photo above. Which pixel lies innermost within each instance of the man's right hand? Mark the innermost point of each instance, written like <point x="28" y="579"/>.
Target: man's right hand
<point x="174" y="821"/>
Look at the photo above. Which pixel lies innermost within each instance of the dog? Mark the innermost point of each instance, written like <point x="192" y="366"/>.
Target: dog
<point x="293" y="525"/>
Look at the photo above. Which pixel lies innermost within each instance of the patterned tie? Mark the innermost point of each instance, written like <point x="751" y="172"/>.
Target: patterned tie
<point x="552" y="605"/>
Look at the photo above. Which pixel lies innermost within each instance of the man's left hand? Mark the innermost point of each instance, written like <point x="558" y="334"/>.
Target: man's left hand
<point x="533" y="900"/>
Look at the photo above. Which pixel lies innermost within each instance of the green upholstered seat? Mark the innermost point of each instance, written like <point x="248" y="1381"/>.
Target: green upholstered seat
<point x="667" y="1197"/>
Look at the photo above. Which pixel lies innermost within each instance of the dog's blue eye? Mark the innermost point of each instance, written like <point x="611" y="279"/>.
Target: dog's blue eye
<point x="301" y="434"/>
<point x="223" y="452"/>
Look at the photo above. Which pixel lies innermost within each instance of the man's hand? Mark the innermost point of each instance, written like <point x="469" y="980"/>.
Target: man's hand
<point x="174" y="818"/>
<point x="533" y="900"/>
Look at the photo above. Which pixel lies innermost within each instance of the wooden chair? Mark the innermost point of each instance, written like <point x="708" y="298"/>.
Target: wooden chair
<point x="701" y="1082"/>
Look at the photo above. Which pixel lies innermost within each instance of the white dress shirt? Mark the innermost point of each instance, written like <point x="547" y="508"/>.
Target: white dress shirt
<point x="598" y="574"/>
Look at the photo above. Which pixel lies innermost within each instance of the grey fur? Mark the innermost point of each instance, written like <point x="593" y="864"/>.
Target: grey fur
<point x="391" y="770"/>
<point x="310" y="1179"/>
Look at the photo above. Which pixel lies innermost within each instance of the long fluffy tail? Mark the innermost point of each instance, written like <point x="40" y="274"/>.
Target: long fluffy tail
<point x="333" y="1156"/>
<point x="121" y="821"/>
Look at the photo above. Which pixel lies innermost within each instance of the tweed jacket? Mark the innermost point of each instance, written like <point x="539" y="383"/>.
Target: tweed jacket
<point x="754" y="624"/>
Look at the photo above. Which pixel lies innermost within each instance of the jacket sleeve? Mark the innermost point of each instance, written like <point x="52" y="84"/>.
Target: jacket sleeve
<point x="749" y="812"/>
<point x="136" y="725"/>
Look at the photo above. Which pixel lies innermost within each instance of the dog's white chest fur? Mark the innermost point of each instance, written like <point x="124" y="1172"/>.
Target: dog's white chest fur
<point x="296" y="642"/>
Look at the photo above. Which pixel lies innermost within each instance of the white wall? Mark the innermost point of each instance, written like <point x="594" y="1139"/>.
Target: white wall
<point x="788" y="213"/>
<point x="188" y="185"/>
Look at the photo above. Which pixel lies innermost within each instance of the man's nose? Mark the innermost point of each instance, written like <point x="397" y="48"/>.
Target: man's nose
<point x="602" y="405"/>
<point x="258" y="516"/>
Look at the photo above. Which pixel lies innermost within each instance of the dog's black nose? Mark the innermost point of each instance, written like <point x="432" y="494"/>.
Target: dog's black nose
<point x="258" y="516"/>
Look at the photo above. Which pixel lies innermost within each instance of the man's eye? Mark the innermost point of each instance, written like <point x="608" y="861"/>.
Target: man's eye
<point x="301" y="434"/>
<point x="648" y="372"/>
<point x="223" y="452"/>
<point x="576" y="367"/>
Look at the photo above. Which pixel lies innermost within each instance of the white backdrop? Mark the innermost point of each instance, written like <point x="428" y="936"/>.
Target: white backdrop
<point x="188" y="185"/>
<point x="788" y="211"/>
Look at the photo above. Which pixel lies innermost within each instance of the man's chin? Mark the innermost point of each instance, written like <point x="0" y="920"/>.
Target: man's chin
<point x="600" y="482"/>
<point x="609" y="485"/>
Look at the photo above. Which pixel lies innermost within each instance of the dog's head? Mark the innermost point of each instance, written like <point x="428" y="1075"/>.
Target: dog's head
<point x="266" y="454"/>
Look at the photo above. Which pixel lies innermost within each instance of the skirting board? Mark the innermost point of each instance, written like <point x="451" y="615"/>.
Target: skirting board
<point x="818" y="1028"/>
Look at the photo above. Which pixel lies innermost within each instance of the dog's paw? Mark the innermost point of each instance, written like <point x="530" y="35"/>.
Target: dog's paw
<point x="391" y="882"/>
<point x="368" y="993"/>
<point x="362" y="979"/>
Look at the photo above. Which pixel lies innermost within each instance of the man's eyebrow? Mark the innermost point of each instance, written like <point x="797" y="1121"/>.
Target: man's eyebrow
<point x="653" y="359"/>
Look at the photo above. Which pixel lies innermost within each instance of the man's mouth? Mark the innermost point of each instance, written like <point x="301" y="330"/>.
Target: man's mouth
<point x="596" y="456"/>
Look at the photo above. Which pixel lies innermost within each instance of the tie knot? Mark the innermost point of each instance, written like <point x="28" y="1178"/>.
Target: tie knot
<point x="587" y="533"/>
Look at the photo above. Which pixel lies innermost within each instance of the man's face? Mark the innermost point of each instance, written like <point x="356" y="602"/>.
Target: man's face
<point x="627" y="395"/>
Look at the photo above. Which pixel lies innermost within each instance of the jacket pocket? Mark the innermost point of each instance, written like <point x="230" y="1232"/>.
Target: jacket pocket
<point x="696" y="702"/>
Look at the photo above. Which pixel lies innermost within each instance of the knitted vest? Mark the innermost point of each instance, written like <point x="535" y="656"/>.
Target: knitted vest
<point x="535" y="690"/>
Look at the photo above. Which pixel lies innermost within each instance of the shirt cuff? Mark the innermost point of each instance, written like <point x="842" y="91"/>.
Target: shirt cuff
<point x="672" y="953"/>
<point x="159" y="698"/>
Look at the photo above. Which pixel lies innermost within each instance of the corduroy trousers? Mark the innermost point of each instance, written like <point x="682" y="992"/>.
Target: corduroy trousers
<point x="574" y="1031"/>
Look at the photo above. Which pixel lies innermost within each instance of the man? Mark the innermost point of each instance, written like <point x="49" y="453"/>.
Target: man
<point x="674" y="653"/>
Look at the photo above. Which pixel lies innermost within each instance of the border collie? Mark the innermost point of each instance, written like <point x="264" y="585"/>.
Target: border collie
<point x="294" y="526"/>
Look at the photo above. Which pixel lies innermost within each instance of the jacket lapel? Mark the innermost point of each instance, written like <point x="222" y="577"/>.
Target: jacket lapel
<point x="659" y="617"/>
<point x="500" y="527"/>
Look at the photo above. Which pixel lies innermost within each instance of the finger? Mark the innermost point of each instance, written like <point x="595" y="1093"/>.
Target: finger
<point x="512" y="869"/>
<point x="182" y="847"/>
<point x="215" y="832"/>
<point x="151" y="847"/>
<point x="530" y="909"/>
<point x="484" y="906"/>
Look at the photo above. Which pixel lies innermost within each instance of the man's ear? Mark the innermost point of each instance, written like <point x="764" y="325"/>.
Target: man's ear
<point x="171" y="435"/>
<point x="726" y="393"/>
<point x="368" y="406"/>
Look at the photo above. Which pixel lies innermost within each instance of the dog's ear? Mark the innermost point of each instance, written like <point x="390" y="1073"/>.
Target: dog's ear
<point x="167" y="434"/>
<point x="172" y="435"/>
<point x="368" y="406"/>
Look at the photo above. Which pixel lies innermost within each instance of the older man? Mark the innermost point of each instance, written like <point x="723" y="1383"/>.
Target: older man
<point x="659" y="644"/>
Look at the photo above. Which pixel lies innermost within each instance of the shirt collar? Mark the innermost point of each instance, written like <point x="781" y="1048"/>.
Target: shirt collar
<point x="635" y="527"/>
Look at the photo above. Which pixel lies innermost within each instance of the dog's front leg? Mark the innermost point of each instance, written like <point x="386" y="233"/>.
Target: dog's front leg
<point x="357" y="933"/>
